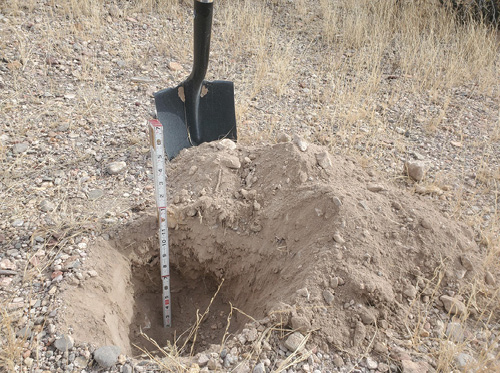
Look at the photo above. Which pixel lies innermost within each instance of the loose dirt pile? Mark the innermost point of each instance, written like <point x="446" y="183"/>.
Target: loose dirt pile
<point x="297" y="234"/>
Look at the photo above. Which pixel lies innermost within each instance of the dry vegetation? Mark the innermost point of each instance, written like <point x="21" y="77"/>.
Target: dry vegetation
<point x="350" y="74"/>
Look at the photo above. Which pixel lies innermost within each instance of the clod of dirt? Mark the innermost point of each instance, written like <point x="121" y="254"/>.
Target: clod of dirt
<point x="296" y="235"/>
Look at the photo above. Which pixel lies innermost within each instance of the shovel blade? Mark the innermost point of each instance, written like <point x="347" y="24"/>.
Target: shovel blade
<point x="170" y="110"/>
<point x="216" y="116"/>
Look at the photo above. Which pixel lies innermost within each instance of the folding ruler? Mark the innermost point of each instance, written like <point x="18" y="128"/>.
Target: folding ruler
<point x="160" y="181"/>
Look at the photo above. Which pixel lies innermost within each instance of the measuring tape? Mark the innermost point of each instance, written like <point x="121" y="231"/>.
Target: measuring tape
<point x="160" y="181"/>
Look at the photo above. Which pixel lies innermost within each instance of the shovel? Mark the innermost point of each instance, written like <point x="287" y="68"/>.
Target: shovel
<point x="197" y="111"/>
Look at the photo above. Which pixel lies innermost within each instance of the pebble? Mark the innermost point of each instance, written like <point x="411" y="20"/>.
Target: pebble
<point x="453" y="305"/>
<point x="303" y="292"/>
<point x="115" y="168"/>
<point x="359" y="334"/>
<point x="410" y="291"/>
<point x="46" y="206"/>
<point x="293" y="341"/>
<point x="416" y="169"/>
<point x="301" y="144"/>
<point x="17" y="223"/>
<point x="284" y="137"/>
<point x="371" y="364"/>
<point x="463" y="361"/>
<point x="489" y="279"/>
<point x="127" y="369"/>
<point x="375" y="187"/>
<point x="334" y="282"/>
<point x="226" y="144"/>
<point x="20" y="148"/>
<point x="174" y="66"/>
<point x="107" y="356"/>
<point x="338" y="361"/>
<point x="328" y="297"/>
<point x="426" y="223"/>
<point x="203" y="359"/>
<point x="259" y="368"/>
<point x="300" y="324"/>
<point x="338" y="238"/>
<point x="231" y="161"/>
<point x="455" y="332"/>
<point x="65" y="343"/>
<point x="466" y="263"/>
<point x="367" y="316"/>
<point x="323" y="160"/>
<point x="81" y="362"/>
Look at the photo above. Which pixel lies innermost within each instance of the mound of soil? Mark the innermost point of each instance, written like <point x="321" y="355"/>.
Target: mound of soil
<point x="293" y="231"/>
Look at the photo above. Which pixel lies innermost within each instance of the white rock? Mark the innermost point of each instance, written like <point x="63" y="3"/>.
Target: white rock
<point x="293" y="341"/>
<point x="371" y="364"/>
<point x="416" y="169"/>
<point x="115" y="168"/>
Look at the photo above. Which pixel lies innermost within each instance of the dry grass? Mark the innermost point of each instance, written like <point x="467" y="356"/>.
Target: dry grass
<point x="358" y="58"/>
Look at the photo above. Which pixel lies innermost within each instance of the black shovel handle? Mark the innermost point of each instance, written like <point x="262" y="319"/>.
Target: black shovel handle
<point x="203" y="10"/>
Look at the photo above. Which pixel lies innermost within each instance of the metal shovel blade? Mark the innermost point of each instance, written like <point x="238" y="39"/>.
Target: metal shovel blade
<point x="197" y="111"/>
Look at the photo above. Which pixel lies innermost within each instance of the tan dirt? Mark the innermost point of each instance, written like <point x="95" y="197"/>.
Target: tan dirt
<point x="301" y="234"/>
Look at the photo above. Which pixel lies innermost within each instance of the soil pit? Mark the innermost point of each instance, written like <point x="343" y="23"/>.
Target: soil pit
<point x="291" y="229"/>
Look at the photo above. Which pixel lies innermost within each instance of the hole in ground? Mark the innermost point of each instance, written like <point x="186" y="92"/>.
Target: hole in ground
<point x="190" y="299"/>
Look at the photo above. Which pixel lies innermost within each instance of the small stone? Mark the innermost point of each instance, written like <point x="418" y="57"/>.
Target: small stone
<point x="301" y="144"/>
<point x="334" y="282"/>
<point x="284" y="137"/>
<point x="466" y="263"/>
<point x="92" y="273"/>
<point x="17" y="223"/>
<point x="115" y="168"/>
<point x="231" y="161"/>
<point x="174" y="66"/>
<point x="453" y="306"/>
<point x="28" y="362"/>
<point x="250" y="334"/>
<point x="383" y="368"/>
<point x="328" y="296"/>
<point x="24" y="333"/>
<point x="259" y="368"/>
<point x="380" y="348"/>
<point x="300" y="324"/>
<point x="375" y="187"/>
<point x="20" y="148"/>
<point x="426" y="223"/>
<point x="81" y="362"/>
<point x="212" y="364"/>
<point x="107" y="356"/>
<point x="303" y="292"/>
<point x="338" y="361"/>
<point x="338" y="238"/>
<point x="95" y="194"/>
<point x="416" y="169"/>
<point x="65" y="343"/>
<point x="203" y="359"/>
<point x="114" y="11"/>
<point x="293" y="341"/>
<point x="464" y="361"/>
<point x="410" y="291"/>
<point x="226" y="144"/>
<point x="414" y="367"/>
<point x="323" y="160"/>
<point x="396" y="205"/>
<point x="489" y="279"/>
<point x="371" y="364"/>
<point x="367" y="316"/>
<point x="46" y="206"/>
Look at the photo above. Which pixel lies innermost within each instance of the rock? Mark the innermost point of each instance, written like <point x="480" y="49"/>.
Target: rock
<point x="334" y="282"/>
<point x="453" y="306"/>
<point x="259" y="368"/>
<point x="416" y="169"/>
<point x="328" y="297"/>
<point x="409" y="366"/>
<point x="231" y="161"/>
<point x="65" y="343"/>
<point x="284" y="137"/>
<point x="250" y="334"/>
<point x="20" y="148"/>
<point x="464" y="361"/>
<point x="410" y="291"/>
<point x="92" y="273"/>
<point x="338" y="238"/>
<point x="24" y="333"/>
<point x="212" y="364"/>
<point x="81" y="362"/>
<point x="303" y="292"/>
<point x="367" y="316"/>
<point x="380" y="348"/>
<point x="466" y="263"/>
<point x="301" y="144"/>
<point x="489" y="279"/>
<point x="226" y="144"/>
<point x="243" y="367"/>
<point x="114" y="11"/>
<point x="300" y="324"/>
<point x="371" y="364"/>
<point x="426" y="223"/>
<point x="46" y="206"/>
<point x="28" y="362"/>
<point x="174" y="66"/>
<point x="323" y="160"/>
<point x="455" y="332"/>
<point x="338" y="361"/>
<point x="359" y="334"/>
<point x="107" y="356"/>
<point x="127" y="369"/>
<point x="17" y="223"/>
<point x="203" y="360"/>
<point x="293" y="341"/>
<point x="383" y="368"/>
<point x="115" y="168"/>
<point x="95" y="194"/>
<point x="375" y="187"/>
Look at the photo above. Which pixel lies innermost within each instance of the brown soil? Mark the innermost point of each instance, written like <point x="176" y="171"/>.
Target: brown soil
<point x="285" y="229"/>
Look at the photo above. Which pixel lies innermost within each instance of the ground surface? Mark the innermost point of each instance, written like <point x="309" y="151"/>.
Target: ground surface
<point x="320" y="232"/>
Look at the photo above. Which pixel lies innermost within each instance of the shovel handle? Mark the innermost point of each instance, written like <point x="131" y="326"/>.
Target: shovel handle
<point x="203" y="10"/>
